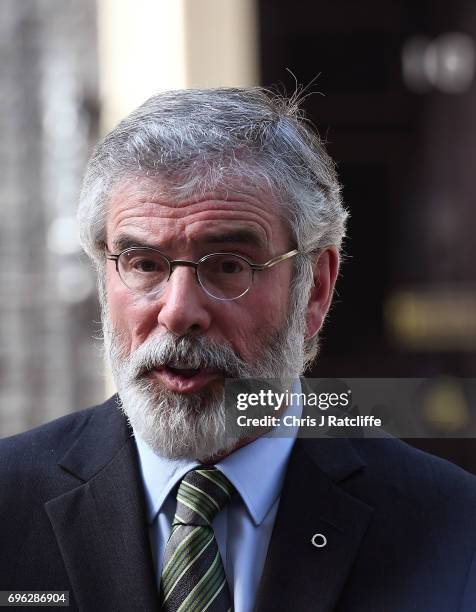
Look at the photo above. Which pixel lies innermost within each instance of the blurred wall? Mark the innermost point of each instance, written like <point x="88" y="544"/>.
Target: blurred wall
<point x="394" y="97"/>
<point x="48" y="90"/>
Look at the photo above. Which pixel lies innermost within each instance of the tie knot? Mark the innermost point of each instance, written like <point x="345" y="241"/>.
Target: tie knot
<point x="202" y="493"/>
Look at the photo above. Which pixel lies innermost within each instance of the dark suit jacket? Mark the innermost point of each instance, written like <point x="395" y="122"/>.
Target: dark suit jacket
<point x="400" y="524"/>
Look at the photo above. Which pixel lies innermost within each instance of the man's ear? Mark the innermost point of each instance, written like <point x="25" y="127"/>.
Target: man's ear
<point x="325" y="269"/>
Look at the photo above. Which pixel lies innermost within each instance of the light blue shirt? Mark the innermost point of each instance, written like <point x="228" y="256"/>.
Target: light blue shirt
<point x="243" y="528"/>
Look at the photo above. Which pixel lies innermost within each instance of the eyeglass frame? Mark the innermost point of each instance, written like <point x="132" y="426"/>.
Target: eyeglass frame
<point x="194" y="264"/>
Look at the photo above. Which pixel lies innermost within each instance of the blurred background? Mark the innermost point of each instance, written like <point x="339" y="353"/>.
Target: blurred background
<point x="394" y="97"/>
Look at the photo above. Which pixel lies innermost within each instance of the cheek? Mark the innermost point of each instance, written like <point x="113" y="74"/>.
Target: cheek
<point x="129" y="316"/>
<point x="117" y="301"/>
<point x="257" y="321"/>
<point x="271" y="302"/>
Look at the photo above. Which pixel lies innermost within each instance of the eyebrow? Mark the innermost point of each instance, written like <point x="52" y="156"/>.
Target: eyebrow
<point x="123" y="242"/>
<point x="238" y="236"/>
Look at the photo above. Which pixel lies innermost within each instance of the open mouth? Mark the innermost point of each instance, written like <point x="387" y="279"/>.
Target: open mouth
<point x="184" y="379"/>
<point x="186" y="372"/>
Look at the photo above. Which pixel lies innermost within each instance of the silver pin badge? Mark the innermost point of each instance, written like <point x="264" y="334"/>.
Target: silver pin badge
<point x="319" y="540"/>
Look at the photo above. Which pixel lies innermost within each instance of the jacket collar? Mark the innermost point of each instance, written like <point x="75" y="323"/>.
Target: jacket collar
<point x="100" y="526"/>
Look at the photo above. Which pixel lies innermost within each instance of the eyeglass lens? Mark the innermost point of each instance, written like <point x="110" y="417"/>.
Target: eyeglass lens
<point x="223" y="276"/>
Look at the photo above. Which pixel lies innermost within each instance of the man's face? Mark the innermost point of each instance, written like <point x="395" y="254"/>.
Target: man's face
<point x="251" y="334"/>
<point x="190" y="230"/>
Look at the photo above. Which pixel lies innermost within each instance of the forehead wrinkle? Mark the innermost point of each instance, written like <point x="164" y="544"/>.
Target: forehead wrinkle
<point x="150" y="193"/>
<point x="129" y="210"/>
<point x="172" y="210"/>
<point x="253" y="216"/>
<point x="157" y="190"/>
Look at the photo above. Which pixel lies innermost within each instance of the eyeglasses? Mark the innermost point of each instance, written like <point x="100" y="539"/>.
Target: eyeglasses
<point x="223" y="276"/>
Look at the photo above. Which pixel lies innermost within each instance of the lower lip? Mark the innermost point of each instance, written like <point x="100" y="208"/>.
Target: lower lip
<point x="185" y="384"/>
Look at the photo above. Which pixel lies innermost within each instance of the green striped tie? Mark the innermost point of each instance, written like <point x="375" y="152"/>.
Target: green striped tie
<point x="193" y="578"/>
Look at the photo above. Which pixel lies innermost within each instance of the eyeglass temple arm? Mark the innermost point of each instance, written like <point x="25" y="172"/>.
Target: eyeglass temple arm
<point x="114" y="258"/>
<point x="275" y="260"/>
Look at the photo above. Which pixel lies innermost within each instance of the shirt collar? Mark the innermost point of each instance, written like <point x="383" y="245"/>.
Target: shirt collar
<point x="256" y="470"/>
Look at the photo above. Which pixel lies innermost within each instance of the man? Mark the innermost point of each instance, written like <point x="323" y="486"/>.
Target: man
<point x="214" y="220"/>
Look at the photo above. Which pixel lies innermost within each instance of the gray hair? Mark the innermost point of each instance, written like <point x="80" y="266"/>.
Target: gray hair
<point x="195" y="141"/>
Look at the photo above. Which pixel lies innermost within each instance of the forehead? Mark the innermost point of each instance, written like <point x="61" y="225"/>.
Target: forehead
<point x="143" y="211"/>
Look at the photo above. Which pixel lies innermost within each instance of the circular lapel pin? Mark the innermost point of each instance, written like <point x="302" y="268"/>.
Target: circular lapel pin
<point x="319" y="540"/>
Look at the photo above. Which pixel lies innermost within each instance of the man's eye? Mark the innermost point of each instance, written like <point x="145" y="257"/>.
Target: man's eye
<point x="146" y="265"/>
<point x="231" y="266"/>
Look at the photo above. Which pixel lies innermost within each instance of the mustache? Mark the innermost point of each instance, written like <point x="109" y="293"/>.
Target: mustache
<point x="186" y="351"/>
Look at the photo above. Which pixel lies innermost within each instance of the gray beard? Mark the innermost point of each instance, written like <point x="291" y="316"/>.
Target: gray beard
<point x="192" y="425"/>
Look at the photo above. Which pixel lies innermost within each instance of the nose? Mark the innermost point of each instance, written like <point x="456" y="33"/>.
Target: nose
<point x="184" y="307"/>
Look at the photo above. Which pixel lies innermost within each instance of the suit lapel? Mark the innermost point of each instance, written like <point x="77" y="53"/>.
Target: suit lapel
<point x="100" y="526"/>
<point x="297" y="575"/>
